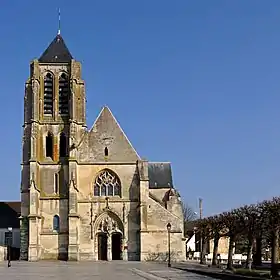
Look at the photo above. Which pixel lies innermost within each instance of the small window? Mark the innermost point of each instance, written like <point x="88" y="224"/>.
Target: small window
<point x="62" y="145"/>
<point x="56" y="183"/>
<point x="49" y="145"/>
<point x="106" y="152"/>
<point x="56" y="223"/>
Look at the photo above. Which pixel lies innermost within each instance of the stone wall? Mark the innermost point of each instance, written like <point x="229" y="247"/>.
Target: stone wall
<point x="222" y="246"/>
<point x="155" y="246"/>
<point x="106" y="133"/>
<point x="127" y="174"/>
<point x="154" y="238"/>
<point x="125" y="207"/>
<point x="52" y="244"/>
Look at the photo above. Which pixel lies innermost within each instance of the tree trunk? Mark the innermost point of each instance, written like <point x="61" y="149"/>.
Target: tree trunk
<point x="257" y="258"/>
<point x="230" y="252"/>
<point x="215" y="250"/>
<point x="274" y="252"/>
<point x="249" y="253"/>
<point x="203" y="251"/>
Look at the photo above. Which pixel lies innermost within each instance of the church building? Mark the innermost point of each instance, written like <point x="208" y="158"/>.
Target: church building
<point x="86" y="194"/>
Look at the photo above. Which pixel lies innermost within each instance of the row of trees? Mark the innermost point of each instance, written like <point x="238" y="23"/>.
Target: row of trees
<point x="257" y="224"/>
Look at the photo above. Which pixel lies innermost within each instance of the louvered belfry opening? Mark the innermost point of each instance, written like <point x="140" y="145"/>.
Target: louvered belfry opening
<point x="63" y="94"/>
<point x="48" y="94"/>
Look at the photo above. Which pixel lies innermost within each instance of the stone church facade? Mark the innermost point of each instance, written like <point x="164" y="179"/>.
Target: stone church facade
<point x="85" y="193"/>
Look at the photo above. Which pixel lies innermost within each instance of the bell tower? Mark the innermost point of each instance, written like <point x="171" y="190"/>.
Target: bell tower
<point x="54" y="119"/>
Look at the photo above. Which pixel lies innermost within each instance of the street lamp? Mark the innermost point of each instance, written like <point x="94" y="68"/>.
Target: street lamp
<point x="10" y="234"/>
<point x="168" y="230"/>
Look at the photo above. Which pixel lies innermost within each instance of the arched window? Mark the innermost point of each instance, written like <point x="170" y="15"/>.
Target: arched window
<point x="107" y="183"/>
<point x="62" y="145"/>
<point x="63" y="104"/>
<point x="56" y="183"/>
<point x="56" y="223"/>
<point x="48" y="94"/>
<point x="49" y="145"/>
<point x="106" y="152"/>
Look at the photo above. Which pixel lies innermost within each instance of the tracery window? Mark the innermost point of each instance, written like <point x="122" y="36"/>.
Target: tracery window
<point x="107" y="183"/>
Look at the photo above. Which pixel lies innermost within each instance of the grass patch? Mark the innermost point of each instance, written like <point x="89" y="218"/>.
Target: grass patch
<point x="253" y="272"/>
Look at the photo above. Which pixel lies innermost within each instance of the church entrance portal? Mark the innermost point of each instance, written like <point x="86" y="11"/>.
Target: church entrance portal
<point x="102" y="246"/>
<point x="116" y="246"/>
<point x="108" y="237"/>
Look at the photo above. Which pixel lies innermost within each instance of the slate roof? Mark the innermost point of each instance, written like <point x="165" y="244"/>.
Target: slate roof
<point x="9" y="214"/>
<point x="160" y="175"/>
<point x="57" y="52"/>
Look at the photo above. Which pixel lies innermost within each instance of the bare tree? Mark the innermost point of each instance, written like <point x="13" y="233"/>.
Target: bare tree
<point x="251" y="220"/>
<point x="254" y="222"/>
<point x="232" y="221"/>
<point x="189" y="216"/>
<point x="216" y="230"/>
<point x="271" y="211"/>
<point x="189" y="213"/>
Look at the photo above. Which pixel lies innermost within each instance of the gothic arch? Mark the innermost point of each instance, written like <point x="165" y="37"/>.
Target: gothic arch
<point x="48" y="72"/>
<point x="108" y="236"/>
<point x="63" y="73"/>
<point x="108" y="222"/>
<point x="107" y="183"/>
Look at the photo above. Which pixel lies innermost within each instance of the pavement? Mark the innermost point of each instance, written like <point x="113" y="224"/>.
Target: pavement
<point x="117" y="270"/>
<point x="214" y="272"/>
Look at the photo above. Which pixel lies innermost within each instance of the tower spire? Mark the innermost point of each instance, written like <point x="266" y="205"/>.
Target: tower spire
<point x="58" y="30"/>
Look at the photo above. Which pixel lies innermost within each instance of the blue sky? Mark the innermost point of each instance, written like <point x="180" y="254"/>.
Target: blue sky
<point x="194" y="82"/>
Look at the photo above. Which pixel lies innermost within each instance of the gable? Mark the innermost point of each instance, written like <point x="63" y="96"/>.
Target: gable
<point x="106" y="141"/>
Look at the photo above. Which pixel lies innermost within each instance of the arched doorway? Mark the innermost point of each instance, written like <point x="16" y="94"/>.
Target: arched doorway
<point x="108" y="237"/>
<point x="102" y="246"/>
<point x="116" y="246"/>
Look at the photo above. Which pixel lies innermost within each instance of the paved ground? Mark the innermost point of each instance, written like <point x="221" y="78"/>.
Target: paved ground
<point x="92" y="270"/>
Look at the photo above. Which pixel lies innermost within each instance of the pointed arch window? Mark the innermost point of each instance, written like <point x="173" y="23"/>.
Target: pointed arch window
<point x="49" y="145"/>
<point x="63" y="102"/>
<point x="48" y="94"/>
<point x="56" y="183"/>
<point x="62" y="145"/>
<point x="56" y="223"/>
<point x="107" y="183"/>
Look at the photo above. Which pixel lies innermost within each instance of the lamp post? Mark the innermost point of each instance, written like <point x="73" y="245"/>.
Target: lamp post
<point x="9" y="245"/>
<point x="168" y="230"/>
<point x="201" y="241"/>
